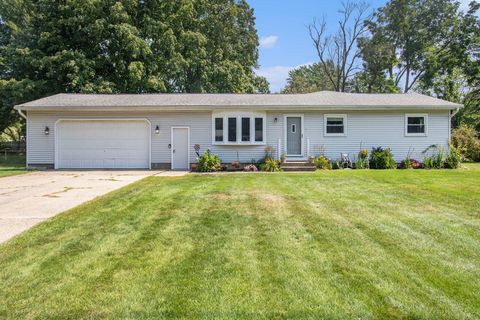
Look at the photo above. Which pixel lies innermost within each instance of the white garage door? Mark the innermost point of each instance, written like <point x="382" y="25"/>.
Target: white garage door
<point x="103" y="144"/>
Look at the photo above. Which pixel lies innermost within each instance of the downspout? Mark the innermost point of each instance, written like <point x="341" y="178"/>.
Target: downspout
<point x="452" y="114"/>
<point x="20" y="112"/>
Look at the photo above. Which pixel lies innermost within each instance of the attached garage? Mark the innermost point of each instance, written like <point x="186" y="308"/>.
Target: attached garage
<point x="102" y="144"/>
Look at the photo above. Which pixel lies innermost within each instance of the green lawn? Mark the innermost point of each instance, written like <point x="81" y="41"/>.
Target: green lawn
<point x="337" y="244"/>
<point x="11" y="165"/>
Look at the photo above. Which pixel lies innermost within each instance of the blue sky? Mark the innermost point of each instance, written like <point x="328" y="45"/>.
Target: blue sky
<point x="284" y="40"/>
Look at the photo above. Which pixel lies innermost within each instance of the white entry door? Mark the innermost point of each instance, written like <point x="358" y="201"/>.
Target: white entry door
<point x="180" y="141"/>
<point x="102" y="144"/>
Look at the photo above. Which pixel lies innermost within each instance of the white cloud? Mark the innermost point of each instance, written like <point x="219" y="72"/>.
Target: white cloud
<point x="268" y="42"/>
<point x="277" y="75"/>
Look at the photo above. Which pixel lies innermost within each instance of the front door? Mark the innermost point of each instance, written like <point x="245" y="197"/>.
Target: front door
<point x="294" y="136"/>
<point x="180" y="159"/>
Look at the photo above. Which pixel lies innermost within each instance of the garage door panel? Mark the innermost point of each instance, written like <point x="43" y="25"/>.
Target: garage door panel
<point x="103" y="144"/>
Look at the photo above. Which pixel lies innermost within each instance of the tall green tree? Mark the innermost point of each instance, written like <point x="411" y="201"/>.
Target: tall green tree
<point x="415" y="39"/>
<point x="309" y="78"/>
<point x="128" y="46"/>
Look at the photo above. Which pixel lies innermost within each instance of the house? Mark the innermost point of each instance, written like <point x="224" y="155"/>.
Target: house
<point x="161" y="130"/>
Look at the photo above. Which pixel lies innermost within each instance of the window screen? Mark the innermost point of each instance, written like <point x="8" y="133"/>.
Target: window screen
<point x="218" y="129"/>
<point x="232" y="129"/>
<point x="245" y="129"/>
<point x="258" y="129"/>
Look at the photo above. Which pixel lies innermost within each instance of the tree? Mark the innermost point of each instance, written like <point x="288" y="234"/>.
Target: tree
<point x="416" y="39"/>
<point x="340" y="48"/>
<point x="309" y="78"/>
<point x="127" y="46"/>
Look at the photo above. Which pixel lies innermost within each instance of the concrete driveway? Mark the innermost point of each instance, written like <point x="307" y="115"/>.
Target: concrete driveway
<point x="28" y="199"/>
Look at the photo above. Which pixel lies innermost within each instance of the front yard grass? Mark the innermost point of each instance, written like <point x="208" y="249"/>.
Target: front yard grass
<point x="11" y="165"/>
<point x="333" y="244"/>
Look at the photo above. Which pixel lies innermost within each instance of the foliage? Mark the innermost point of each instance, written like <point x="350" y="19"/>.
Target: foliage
<point x="363" y="154"/>
<point x="466" y="141"/>
<point x="418" y="41"/>
<point x="271" y="165"/>
<point x="309" y="78"/>
<point x="209" y="162"/>
<point x="128" y="46"/>
<point x="434" y="157"/>
<point x="382" y="159"/>
<point x="469" y="115"/>
<point x="323" y="163"/>
<point x="409" y="163"/>
<point x="362" y="163"/>
<point x="428" y="162"/>
<point x="336" y="165"/>
<point x="453" y="158"/>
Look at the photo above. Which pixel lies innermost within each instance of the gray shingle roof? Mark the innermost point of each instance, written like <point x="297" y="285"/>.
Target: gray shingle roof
<point x="326" y="99"/>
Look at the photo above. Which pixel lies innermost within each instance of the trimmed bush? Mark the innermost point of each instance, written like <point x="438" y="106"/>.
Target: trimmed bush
<point x="382" y="159"/>
<point x="209" y="162"/>
<point x="362" y="163"/>
<point x="323" y="163"/>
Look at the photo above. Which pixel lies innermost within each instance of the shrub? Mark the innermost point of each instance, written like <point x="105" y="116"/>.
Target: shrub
<point x="209" y="163"/>
<point x="467" y="142"/>
<point x="435" y="159"/>
<point x="250" y="167"/>
<point x="363" y="154"/>
<point x="323" y="163"/>
<point x="336" y="165"/>
<point x="271" y="165"/>
<point x="453" y="158"/>
<point x="428" y="163"/>
<point x="361" y="163"/>
<point x="409" y="163"/>
<point x="268" y="153"/>
<point x="381" y="159"/>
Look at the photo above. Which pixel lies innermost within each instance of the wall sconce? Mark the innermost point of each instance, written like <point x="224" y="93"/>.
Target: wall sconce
<point x="47" y="131"/>
<point x="275" y="120"/>
<point x="157" y="129"/>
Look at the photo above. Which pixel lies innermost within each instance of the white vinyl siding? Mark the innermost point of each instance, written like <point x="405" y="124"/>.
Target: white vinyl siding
<point x="365" y="129"/>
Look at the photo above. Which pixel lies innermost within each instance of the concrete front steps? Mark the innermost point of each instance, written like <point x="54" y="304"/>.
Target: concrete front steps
<point x="297" y="166"/>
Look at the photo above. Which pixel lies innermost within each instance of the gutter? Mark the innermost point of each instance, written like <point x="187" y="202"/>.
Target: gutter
<point x="20" y="112"/>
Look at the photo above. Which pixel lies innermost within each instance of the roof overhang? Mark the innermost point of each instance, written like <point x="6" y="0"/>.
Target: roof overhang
<point x="237" y="107"/>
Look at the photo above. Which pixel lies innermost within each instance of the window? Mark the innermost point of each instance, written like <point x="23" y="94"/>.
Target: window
<point x="335" y="124"/>
<point x="245" y="129"/>
<point x="416" y="125"/>
<point x="232" y="129"/>
<point x="294" y="128"/>
<point x="258" y="129"/>
<point x="218" y="129"/>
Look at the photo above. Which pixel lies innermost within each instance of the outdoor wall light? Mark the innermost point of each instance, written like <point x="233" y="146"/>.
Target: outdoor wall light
<point x="47" y="131"/>
<point x="275" y="119"/>
<point x="157" y="129"/>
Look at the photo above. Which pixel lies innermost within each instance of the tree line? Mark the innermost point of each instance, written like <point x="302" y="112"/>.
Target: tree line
<point x="428" y="46"/>
<point x="125" y="46"/>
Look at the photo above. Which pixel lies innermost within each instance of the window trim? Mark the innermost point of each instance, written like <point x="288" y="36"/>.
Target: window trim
<point x="331" y="115"/>
<point x="411" y="115"/>
<point x="239" y="115"/>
